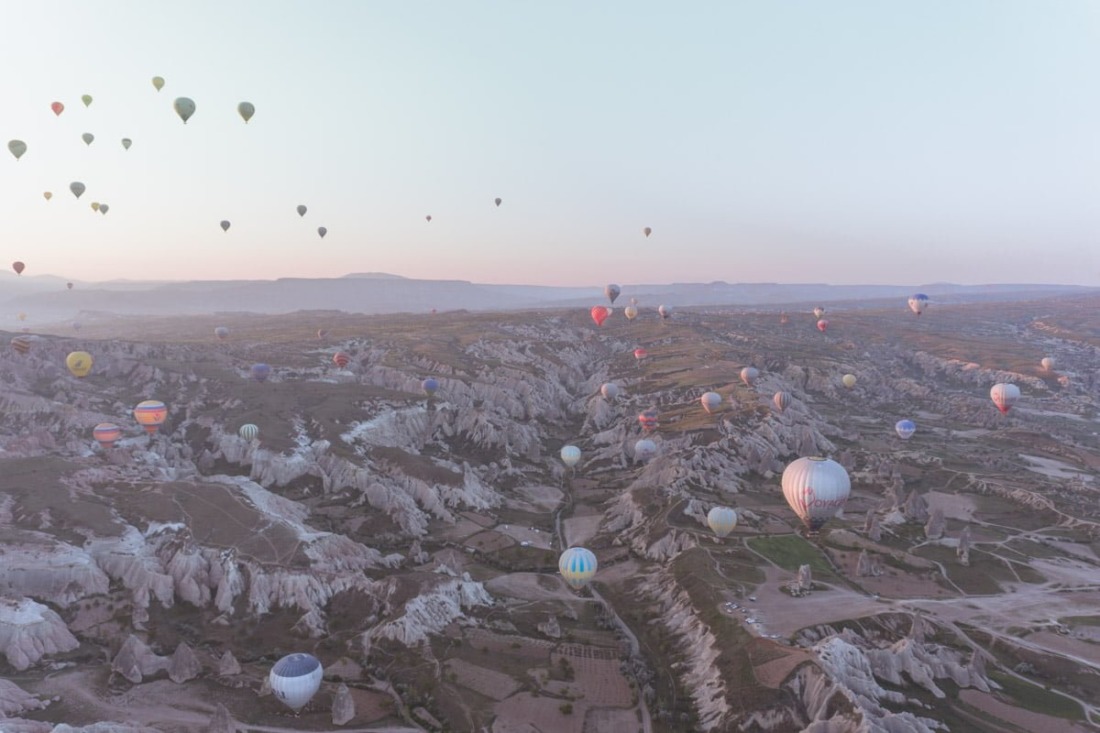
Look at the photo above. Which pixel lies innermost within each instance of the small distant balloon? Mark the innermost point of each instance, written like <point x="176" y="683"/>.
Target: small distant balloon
<point x="249" y="431"/>
<point x="577" y="566"/>
<point x="918" y="302"/>
<point x="599" y="314"/>
<point x="570" y="455"/>
<point x="222" y="333"/>
<point x="631" y="312"/>
<point x="341" y="359"/>
<point x="664" y="311"/>
<point x="647" y="231"/>
<point x="430" y="385"/>
<point x="77" y="188"/>
<point x="69" y="286"/>
<point x="225" y="225"/>
<point x="21" y="344"/>
<point x="782" y="400"/>
<point x="151" y="414"/>
<point x="649" y="419"/>
<point x="640" y="354"/>
<point x="849" y="380"/>
<point x="87" y="138"/>
<point x="260" y="372"/>
<point x="47" y="195"/>
<point x="722" y="520"/>
<point x="17" y="148"/>
<point x="184" y="108"/>
<point x="18" y="267"/>
<point x="819" y="312"/>
<point x="302" y="209"/>
<point x="95" y="206"/>
<point x="322" y="232"/>
<point x="497" y="201"/>
<point x="428" y="218"/>
<point x="158" y="82"/>
<point x="106" y="433"/>
<point x="57" y="108"/>
<point x="322" y="333"/>
<point x="644" y="449"/>
<point x="711" y="401"/>
<point x="905" y="429"/>
<point x="749" y="375"/>
<point x="1004" y="396"/>
<point x="79" y="363"/>
<point x="86" y="99"/>
<point x="612" y="292"/>
<point x="1047" y="363"/>
<point x="127" y="142"/>
<point x="609" y="390"/>
<point x="295" y="679"/>
<point x="246" y="110"/>
<point x="104" y="208"/>
<point x="823" y="325"/>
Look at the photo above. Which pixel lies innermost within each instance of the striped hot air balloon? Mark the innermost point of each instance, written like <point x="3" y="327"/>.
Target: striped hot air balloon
<point x="577" y="566"/>
<point x="106" y="433"/>
<point x="341" y="359"/>
<point x="21" y="344"/>
<point x="648" y="419"/>
<point x="151" y="414"/>
<point x="782" y="400"/>
<point x="248" y="431"/>
<point x="295" y="679"/>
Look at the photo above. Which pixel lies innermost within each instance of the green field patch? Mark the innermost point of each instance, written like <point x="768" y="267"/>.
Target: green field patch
<point x="980" y="578"/>
<point x="1037" y="699"/>
<point x="1080" y="620"/>
<point x="791" y="551"/>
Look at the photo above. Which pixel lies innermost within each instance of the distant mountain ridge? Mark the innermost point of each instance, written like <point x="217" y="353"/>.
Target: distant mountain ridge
<point x="46" y="298"/>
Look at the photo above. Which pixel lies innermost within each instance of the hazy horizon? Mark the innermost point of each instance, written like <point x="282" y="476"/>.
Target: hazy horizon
<point x="853" y="143"/>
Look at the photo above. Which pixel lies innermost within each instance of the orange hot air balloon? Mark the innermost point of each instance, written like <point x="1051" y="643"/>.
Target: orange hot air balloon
<point x="150" y="414"/>
<point x="57" y="108"/>
<point x="106" y="434"/>
<point x="341" y="359"/>
<point x="822" y="325"/>
<point x="18" y="267"/>
<point x="21" y="344"/>
<point x="599" y="314"/>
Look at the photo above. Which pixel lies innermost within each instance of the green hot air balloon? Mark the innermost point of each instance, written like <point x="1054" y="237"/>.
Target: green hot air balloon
<point x="87" y="138"/>
<point x="246" y="110"/>
<point x="158" y="82"/>
<point x="184" y="107"/>
<point x="17" y="148"/>
<point x="127" y="142"/>
<point x="87" y="100"/>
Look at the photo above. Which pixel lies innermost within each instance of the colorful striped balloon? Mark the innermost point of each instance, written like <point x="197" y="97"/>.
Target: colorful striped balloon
<point x="150" y="414"/>
<point x="106" y="433"/>
<point x="249" y="431"/>
<point x="577" y="566"/>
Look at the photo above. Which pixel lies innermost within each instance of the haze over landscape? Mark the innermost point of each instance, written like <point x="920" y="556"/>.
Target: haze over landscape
<point x="550" y="368"/>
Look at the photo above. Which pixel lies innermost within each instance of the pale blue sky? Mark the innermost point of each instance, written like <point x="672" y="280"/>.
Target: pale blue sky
<point x="901" y="142"/>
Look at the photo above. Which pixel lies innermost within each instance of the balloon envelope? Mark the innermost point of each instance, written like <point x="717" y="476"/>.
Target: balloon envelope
<point x="106" y="433"/>
<point x="150" y="414"/>
<point x="599" y="314"/>
<point x="158" y="83"/>
<point x="782" y="400"/>
<point x="127" y="142"/>
<point x="249" y="431"/>
<point x="644" y="449"/>
<point x="918" y="302"/>
<point x="749" y="375"/>
<point x="1004" y="396"/>
<point x="225" y="225"/>
<point x="647" y="231"/>
<point x="640" y="354"/>
<point x="430" y="385"/>
<point x="631" y="312"/>
<point x="497" y="201"/>
<point x="648" y="419"/>
<point x="322" y="232"/>
<point x="609" y="390"/>
<point x="87" y="138"/>
<point x="301" y="210"/>
<point x="21" y="344"/>
<point x="612" y="291"/>
<point x="104" y="208"/>
<point x="57" y="108"/>
<point x="577" y="566"/>
<point x="47" y="195"/>
<point x="722" y="520"/>
<point x="816" y="489"/>
<point x="295" y="679"/>
<point x="87" y="100"/>
<point x="79" y="363"/>
<point x="246" y="110"/>
<point x="819" y="312"/>
<point x="823" y="325"/>
<point x="711" y="401"/>
<point x="184" y="107"/>
<point x="570" y="455"/>
<point x="849" y="380"/>
<point x="341" y="359"/>
<point x="664" y="310"/>
<point x="69" y="286"/>
<point x="17" y="148"/>
<point x="905" y="429"/>
<point x="1047" y="363"/>
<point x="260" y="372"/>
<point x="77" y="188"/>
<point x="18" y="267"/>
<point x="221" y="332"/>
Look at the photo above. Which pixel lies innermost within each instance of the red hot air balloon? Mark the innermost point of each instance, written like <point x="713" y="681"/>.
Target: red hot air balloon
<point x="640" y="354"/>
<point x="822" y="325"/>
<point x="57" y="108"/>
<point x="18" y="267"/>
<point x="600" y="314"/>
<point x="648" y="419"/>
<point x="341" y="359"/>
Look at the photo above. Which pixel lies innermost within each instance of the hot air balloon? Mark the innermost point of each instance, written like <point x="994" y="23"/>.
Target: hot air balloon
<point x="711" y="401"/>
<point x="246" y="110"/>
<point x="225" y="225"/>
<point x="302" y="209"/>
<point x="87" y="138"/>
<point x="260" y="372"/>
<point x="819" y="312"/>
<point x="647" y="231"/>
<point x="784" y="319"/>
<point x="106" y="433"/>
<point x="69" y="286"/>
<point x="158" y="83"/>
<point x="849" y="380"/>
<point x="816" y="489"/>
<point x="577" y="566"/>
<point x="497" y="201"/>
<point x="222" y="333"/>
<point x="77" y="188"/>
<point x="47" y="195"/>
<point x="295" y="679"/>
<point x="21" y="344"/>
<point x="57" y="108"/>
<point x="127" y="142"/>
<point x="150" y="414"/>
<point x="86" y="99"/>
<point x="905" y="429"/>
<point x="570" y="455"/>
<point x="640" y="354"/>
<point x="631" y="312"/>
<point x="648" y="419"/>
<point x="184" y="108"/>
<point x="749" y="375"/>
<point x="1004" y="396"/>
<point x="599" y="314"/>
<point x="918" y="302"/>
<point x="17" y="148"/>
<point x="665" y="311"/>
<point x="722" y="520"/>
<point x="428" y="218"/>
<point x="104" y="208"/>
<point x="823" y="325"/>
<point x="22" y="316"/>
<point x="95" y="206"/>
<point x="430" y="385"/>
<point x="18" y="267"/>
<point x="1048" y="363"/>
<point x="341" y="359"/>
<point x="79" y="363"/>
<point x="782" y="400"/>
<point x="644" y="449"/>
<point x="612" y="291"/>
<point x="322" y="333"/>
<point x="322" y="232"/>
<point x="249" y="431"/>
<point x="609" y="390"/>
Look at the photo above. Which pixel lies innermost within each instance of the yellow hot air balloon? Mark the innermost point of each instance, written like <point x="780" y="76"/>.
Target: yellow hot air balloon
<point x="17" y="148"/>
<point x="95" y="206"/>
<point x="79" y="363"/>
<point x="246" y="110"/>
<point x="127" y="142"/>
<point x="158" y="82"/>
<point x="849" y="380"/>
<point x="184" y="107"/>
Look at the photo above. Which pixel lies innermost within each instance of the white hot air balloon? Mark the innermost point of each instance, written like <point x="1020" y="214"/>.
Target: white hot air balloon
<point x="631" y="312"/>
<point x="905" y="429"/>
<point x="664" y="311"/>
<point x="644" y="449"/>
<point x="577" y="566"/>
<point x="1048" y="363"/>
<point x="816" y="489"/>
<point x="819" y="312"/>
<point x="918" y="302"/>
<point x="749" y="375"/>
<point x="1004" y="396"/>
<point x="295" y="679"/>
<point x="610" y="391"/>
<point x="711" y="401"/>
<point x="249" y="431"/>
<point x="722" y="520"/>
<point x="570" y="455"/>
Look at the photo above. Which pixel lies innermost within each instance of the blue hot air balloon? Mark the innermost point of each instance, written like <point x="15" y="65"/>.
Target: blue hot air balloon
<point x="430" y="385"/>
<point x="260" y="372"/>
<point x="905" y="429"/>
<point x="577" y="565"/>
